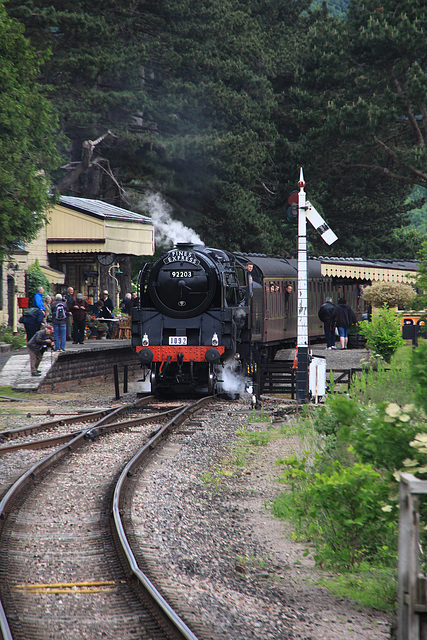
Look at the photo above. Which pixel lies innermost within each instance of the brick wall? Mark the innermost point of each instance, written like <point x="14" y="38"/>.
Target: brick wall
<point x="98" y="365"/>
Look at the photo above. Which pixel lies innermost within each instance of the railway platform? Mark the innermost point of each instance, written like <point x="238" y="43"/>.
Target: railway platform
<point x="79" y="362"/>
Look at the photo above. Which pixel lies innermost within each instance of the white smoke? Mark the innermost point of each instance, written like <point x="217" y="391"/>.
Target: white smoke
<point x="167" y="230"/>
<point x="231" y="379"/>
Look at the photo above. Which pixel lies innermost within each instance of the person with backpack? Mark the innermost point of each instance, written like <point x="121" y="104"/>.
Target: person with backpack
<point x="32" y="320"/>
<point x="59" y="322"/>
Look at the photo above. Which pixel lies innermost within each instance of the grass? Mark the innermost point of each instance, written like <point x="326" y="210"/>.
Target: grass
<point x="390" y="382"/>
<point x="374" y="588"/>
<point x="8" y="391"/>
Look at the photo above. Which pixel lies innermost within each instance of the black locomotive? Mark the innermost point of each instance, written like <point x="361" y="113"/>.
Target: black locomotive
<point x="201" y="307"/>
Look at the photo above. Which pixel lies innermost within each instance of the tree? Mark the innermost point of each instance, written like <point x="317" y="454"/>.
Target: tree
<point x="27" y="137"/>
<point x="96" y="80"/>
<point x="360" y="114"/>
<point x="171" y="96"/>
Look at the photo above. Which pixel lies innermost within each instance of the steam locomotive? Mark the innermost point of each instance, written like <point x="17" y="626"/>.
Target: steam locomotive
<point x="201" y="308"/>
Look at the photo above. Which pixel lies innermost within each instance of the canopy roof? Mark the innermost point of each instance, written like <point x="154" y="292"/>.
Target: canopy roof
<point x="80" y="225"/>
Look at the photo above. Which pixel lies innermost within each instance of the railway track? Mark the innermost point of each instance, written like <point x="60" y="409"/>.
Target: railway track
<point x="62" y="575"/>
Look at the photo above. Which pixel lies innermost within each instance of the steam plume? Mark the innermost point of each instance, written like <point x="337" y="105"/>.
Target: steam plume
<point x="168" y="231"/>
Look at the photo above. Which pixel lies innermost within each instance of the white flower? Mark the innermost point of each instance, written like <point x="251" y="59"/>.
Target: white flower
<point x="393" y="410"/>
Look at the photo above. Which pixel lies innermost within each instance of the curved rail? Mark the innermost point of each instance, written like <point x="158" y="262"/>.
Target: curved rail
<point x="36" y="470"/>
<point x="89" y="433"/>
<point x="127" y="472"/>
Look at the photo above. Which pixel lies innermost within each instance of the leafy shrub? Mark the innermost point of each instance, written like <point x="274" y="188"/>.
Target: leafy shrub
<point x="344" y="512"/>
<point x="383" y="439"/>
<point x="17" y="341"/>
<point x="36" y="278"/>
<point x="391" y="294"/>
<point x="383" y="333"/>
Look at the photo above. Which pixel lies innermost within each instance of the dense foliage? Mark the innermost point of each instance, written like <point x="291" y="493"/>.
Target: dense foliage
<point x="383" y="333"/>
<point x="360" y="93"/>
<point x="344" y="498"/>
<point x="27" y="143"/>
<point x="216" y="104"/>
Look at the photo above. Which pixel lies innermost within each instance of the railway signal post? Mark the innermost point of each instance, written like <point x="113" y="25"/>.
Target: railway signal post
<point x="305" y="212"/>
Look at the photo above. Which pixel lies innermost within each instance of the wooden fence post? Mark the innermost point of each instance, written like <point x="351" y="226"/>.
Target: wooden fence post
<point x="410" y="598"/>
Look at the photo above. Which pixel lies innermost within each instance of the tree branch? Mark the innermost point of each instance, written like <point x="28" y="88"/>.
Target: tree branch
<point x="74" y="175"/>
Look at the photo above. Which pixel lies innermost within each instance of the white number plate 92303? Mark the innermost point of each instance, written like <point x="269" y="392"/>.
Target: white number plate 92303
<point x="177" y="340"/>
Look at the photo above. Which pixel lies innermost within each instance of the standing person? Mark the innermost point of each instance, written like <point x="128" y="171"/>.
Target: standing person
<point x="69" y="299"/>
<point x="325" y="315"/>
<point x="250" y="268"/>
<point x="135" y="299"/>
<point x="48" y="307"/>
<point x="59" y="321"/>
<point x="79" y="310"/>
<point x="38" y="299"/>
<point x="108" y="303"/>
<point x="32" y="320"/>
<point x="37" y="346"/>
<point x="343" y="317"/>
<point x="126" y="304"/>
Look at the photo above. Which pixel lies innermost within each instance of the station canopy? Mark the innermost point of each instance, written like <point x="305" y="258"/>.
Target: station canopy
<point x="80" y="225"/>
<point x="373" y="270"/>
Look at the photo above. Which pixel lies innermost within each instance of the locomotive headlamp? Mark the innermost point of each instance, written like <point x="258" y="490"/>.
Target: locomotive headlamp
<point x="145" y="340"/>
<point x="215" y="340"/>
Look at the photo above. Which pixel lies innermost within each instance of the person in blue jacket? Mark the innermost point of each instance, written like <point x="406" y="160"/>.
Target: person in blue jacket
<point x="38" y="299"/>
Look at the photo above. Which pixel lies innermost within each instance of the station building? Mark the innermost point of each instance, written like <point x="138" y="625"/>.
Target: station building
<point x="81" y="245"/>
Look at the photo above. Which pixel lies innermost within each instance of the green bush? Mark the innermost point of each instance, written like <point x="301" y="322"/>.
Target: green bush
<point x="36" y="278"/>
<point x="383" y="438"/>
<point x="17" y="341"/>
<point x="383" y="333"/>
<point x="391" y="294"/>
<point x="344" y="512"/>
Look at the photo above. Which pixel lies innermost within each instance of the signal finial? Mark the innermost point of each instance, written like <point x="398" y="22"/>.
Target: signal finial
<point x="301" y="182"/>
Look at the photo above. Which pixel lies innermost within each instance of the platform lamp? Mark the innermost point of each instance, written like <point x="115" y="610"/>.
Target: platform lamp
<point x="112" y="272"/>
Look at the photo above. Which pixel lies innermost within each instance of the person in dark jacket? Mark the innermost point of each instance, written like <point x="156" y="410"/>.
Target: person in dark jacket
<point x="126" y="304"/>
<point x="79" y="309"/>
<point x="325" y="315"/>
<point x="32" y="320"/>
<point x="59" y="321"/>
<point x="69" y="299"/>
<point x="37" y="346"/>
<point x="108" y="303"/>
<point x="343" y="317"/>
<point x="135" y="299"/>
